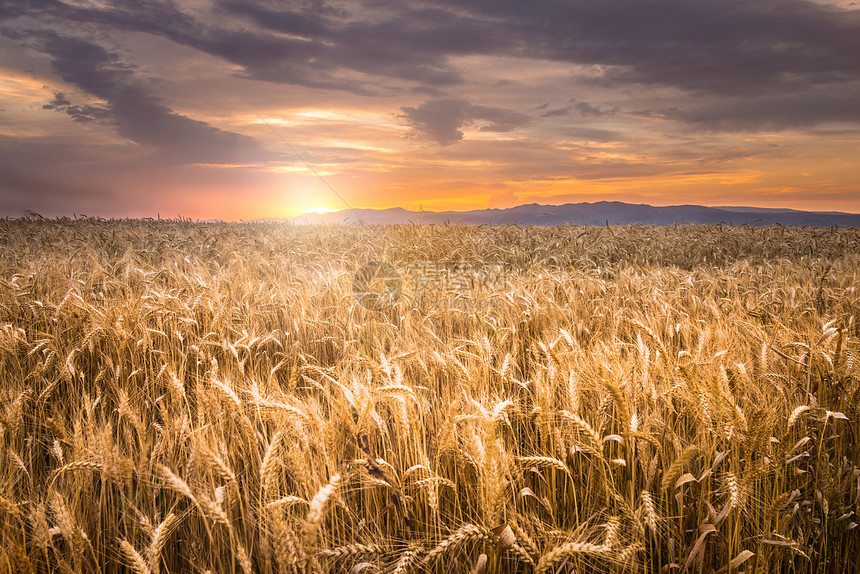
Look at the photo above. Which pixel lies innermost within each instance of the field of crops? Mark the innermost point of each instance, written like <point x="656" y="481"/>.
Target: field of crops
<point x="182" y="397"/>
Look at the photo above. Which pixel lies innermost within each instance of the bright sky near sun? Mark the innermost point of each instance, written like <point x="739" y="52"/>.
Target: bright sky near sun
<point x="253" y="109"/>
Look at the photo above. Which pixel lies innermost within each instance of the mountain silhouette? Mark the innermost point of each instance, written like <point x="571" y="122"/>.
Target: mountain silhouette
<point x="598" y="213"/>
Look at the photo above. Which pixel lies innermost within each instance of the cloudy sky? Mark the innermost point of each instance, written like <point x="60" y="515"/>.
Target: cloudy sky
<point x="238" y="109"/>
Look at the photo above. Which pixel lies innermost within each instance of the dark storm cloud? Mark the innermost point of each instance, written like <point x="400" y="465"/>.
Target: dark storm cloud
<point x="58" y="102"/>
<point x="726" y="48"/>
<point x="406" y="41"/>
<point x="308" y="44"/>
<point x="772" y="113"/>
<point x="594" y="134"/>
<point x="79" y="113"/>
<point x="14" y="8"/>
<point x="138" y="114"/>
<point x="588" y="110"/>
<point x="441" y="120"/>
<point x="87" y="113"/>
<point x="305" y="19"/>
<point x="555" y="113"/>
<point x="738" y="65"/>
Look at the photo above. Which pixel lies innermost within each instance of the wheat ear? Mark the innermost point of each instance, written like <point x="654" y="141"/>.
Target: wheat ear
<point x="408" y="559"/>
<point x="457" y="539"/>
<point x="565" y="551"/>
<point x="135" y="560"/>
<point x="350" y="550"/>
<point x="159" y="537"/>
<point x="316" y="512"/>
<point x="671" y="476"/>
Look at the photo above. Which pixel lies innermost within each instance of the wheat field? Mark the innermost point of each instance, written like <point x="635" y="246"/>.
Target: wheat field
<point x="189" y="397"/>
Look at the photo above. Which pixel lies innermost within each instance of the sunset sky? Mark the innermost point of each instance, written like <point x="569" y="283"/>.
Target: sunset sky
<point x="216" y="108"/>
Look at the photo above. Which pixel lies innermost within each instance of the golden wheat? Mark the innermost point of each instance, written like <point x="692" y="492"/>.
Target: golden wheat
<point x="212" y="397"/>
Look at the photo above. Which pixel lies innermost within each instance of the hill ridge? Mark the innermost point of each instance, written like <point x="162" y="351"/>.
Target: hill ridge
<point x="594" y="213"/>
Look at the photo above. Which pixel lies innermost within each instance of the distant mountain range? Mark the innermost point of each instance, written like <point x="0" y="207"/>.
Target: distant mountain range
<point x="598" y="213"/>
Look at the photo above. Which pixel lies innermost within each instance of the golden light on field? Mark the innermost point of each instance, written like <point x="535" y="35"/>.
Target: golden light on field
<point x="182" y="397"/>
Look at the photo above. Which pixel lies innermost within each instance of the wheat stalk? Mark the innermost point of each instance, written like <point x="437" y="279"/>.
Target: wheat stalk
<point x="221" y="467"/>
<point x="795" y="414"/>
<point x="545" y="461"/>
<point x="569" y="550"/>
<point x="244" y="559"/>
<point x="270" y="461"/>
<point x="314" y="518"/>
<point x="8" y="507"/>
<point x="595" y="441"/>
<point x="177" y="484"/>
<point x="159" y="538"/>
<point x="649" y="512"/>
<point x="736" y="498"/>
<point x="350" y="550"/>
<point x="463" y="535"/>
<point x="407" y="560"/>
<point x="135" y="560"/>
<point x="671" y="476"/>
